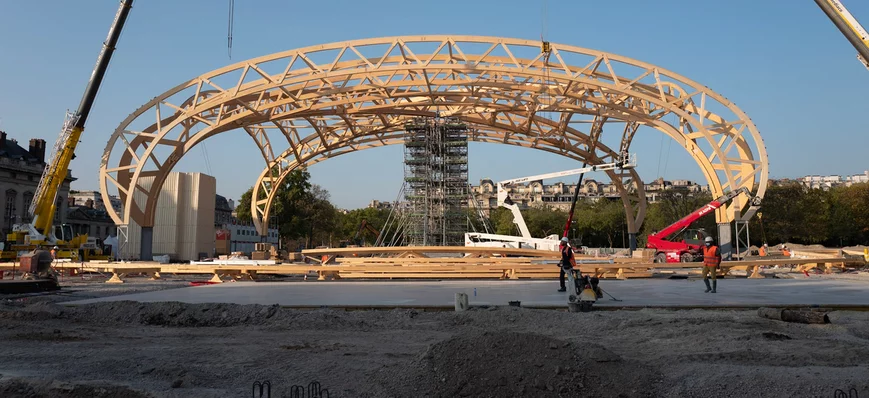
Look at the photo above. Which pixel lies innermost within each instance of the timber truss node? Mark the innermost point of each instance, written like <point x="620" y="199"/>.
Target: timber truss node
<point x="307" y="105"/>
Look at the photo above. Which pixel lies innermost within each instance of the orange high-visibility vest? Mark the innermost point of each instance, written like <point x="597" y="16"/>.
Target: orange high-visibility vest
<point x="710" y="256"/>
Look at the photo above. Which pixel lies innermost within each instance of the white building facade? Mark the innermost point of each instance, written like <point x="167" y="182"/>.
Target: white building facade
<point x="243" y="236"/>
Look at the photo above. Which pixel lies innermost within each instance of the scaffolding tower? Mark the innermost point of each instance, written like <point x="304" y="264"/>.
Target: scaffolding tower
<point x="436" y="173"/>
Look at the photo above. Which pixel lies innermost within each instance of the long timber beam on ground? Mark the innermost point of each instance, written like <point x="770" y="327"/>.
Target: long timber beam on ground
<point x="425" y="251"/>
<point x="437" y="268"/>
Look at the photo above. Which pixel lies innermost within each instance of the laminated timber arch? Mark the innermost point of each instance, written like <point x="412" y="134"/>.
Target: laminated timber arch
<point x="323" y="101"/>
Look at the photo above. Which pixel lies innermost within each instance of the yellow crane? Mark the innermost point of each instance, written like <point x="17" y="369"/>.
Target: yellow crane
<point x="849" y="27"/>
<point x="40" y="231"/>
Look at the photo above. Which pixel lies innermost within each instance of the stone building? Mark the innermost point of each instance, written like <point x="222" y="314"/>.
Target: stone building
<point x="559" y="195"/>
<point x="20" y="172"/>
<point x="81" y="198"/>
<point x="222" y="211"/>
<point x="91" y="221"/>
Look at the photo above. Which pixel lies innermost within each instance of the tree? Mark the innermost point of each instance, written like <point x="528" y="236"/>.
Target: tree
<point x="848" y="220"/>
<point x="608" y="220"/>
<point x="293" y="208"/>
<point x="349" y="225"/>
<point x="502" y="220"/>
<point x="543" y="222"/>
<point x="320" y="217"/>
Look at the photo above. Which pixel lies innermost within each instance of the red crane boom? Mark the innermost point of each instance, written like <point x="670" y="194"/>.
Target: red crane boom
<point x="685" y="249"/>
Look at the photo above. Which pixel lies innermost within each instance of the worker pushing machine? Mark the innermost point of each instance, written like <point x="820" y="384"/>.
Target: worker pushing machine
<point x="568" y="264"/>
<point x="711" y="263"/>
<point x="568" y="260"/>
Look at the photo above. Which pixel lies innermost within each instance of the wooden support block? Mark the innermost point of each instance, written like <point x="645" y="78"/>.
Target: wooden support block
<point x="812" y="317"/>
<point x="115" y="278"/>
<point x="620" y="274"/>
<point x="155" y="276"/>
<point x="215" y="278"/>
<point x="321" y="275"/>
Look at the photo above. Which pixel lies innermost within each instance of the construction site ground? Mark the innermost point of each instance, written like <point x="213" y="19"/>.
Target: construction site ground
<point x="796" y="289"/>
<point x="170" y="349"/>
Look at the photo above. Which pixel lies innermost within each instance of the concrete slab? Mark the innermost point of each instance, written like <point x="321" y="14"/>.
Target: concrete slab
<point x="633" y="293"/>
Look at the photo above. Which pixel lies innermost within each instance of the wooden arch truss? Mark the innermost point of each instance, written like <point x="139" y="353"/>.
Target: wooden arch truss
<point x="307" y="105"/>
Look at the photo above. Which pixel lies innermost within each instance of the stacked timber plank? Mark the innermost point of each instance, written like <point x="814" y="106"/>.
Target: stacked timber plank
<point x="494" y="267"/>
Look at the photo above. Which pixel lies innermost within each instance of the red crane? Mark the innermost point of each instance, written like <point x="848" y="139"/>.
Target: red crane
<point x="676" y="243"/>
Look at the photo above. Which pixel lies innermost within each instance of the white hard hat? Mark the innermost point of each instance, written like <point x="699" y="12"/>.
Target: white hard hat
<point x="55" y="248"/>
<point x="564" y="239"/>
<point x="709" y="239"/>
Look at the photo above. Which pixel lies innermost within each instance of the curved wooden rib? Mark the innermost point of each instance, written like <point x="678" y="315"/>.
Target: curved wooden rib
<point x="342" y="97"/>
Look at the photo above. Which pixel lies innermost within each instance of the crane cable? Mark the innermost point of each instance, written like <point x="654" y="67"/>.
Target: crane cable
<point x="229" y="28"/>
<point x="546" y="49"/>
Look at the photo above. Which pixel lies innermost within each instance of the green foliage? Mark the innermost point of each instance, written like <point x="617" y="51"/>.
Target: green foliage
<point x="601" y="223"/>
<point x="849" y="214"/>
<point x="300" y="210"/>
<point x="673" y="205"/>
<point x="242" y="210"/>
<point x="348" y="225"/>
<point x="794" y="213"/>
<point x="790" y="213"/>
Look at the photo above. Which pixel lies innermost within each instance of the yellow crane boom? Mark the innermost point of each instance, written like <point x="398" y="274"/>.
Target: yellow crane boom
<point x="849" y="27"/>
<point x="40" y="230"/>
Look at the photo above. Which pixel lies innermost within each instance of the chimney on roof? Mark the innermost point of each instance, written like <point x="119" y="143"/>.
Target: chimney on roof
<point x="2" y="140"/>
<point x="89" y="203"/>
<point x="37" y="149"/>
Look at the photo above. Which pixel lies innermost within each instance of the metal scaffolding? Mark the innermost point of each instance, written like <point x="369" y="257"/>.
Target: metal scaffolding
<point x="436" y="173"/>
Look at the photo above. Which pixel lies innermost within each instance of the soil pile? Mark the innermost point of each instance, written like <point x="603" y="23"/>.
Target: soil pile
<point x="15" y="388"/>
<point x="503" y="364"/>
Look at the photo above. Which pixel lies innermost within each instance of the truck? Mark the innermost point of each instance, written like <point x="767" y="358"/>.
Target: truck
<point x="679" y="243"/>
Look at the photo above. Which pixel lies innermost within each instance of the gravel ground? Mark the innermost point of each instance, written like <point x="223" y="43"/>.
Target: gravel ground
<point x="128" y="349"/>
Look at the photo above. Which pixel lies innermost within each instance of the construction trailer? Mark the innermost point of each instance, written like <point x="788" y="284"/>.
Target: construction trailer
<point x="436" y="174"/>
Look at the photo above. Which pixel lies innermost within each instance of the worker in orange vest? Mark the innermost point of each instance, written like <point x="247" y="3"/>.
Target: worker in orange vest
<point x="763" y="250"/>
<point x="711" y="263"/>
<point x="568" y="261"/>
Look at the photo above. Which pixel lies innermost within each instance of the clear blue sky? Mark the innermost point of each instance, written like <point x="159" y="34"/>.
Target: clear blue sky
<point x="782" y="61"/>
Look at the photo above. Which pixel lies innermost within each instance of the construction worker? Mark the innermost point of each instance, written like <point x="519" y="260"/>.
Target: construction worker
<point x="568" y="261"/>
<point x="785" y="251"/>
<point x="54" y="253"/>
<point x="763" y="250"/>
<point x="711" y="263"/>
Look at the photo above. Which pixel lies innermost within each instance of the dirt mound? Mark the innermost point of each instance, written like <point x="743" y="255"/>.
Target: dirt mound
<point x="503" y="364"/>
<point x="176" y="314"/>
<point x="173" y="314"/>
<point x="22" y="388"/>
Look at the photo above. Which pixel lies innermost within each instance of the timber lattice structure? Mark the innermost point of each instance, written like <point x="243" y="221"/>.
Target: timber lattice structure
<point x="307" y="105"/>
